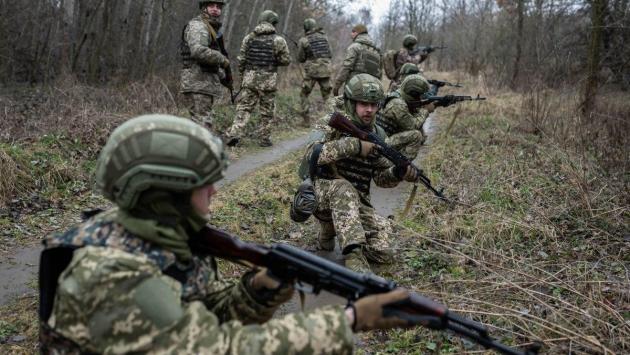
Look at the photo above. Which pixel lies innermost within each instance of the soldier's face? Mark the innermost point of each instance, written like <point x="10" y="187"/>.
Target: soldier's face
<point x="200" y="199"/>
<point x="354" y="34"/>
<point x="213" y="9"/>
<point x="366" y="111"/>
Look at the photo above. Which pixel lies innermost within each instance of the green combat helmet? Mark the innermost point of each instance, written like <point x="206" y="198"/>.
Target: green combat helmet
<point x="409" y="41"/>
<point x="309" y="24"/>
<point x="363" y="88"/>
<point x="409" y="69"/>
<point x="203" y="3"/>
<point x="414" y="87"/>
<point x="269" y="16"/>
<point x="161" y="152"/>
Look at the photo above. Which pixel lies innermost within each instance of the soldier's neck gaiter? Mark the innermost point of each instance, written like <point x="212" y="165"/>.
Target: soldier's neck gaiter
<point x="164" y="221"/>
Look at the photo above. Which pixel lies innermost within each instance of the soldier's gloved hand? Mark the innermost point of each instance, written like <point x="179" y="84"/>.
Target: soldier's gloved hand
<point x="269" y="290"/>
<point x="411" y="175"/>
<point x="367" y="313"/>
<point x="366" y="148"/>
<point x="226" y="63"/>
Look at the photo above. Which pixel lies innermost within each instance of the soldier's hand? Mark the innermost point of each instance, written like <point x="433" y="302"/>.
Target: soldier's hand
<point x="269" y="290"/>
<point x="430" y="107"/>
<point x="411" y="174"/>
<point x="366" y="148"/>
<point x="368" y="312"/>
<point x="226" y="62"/>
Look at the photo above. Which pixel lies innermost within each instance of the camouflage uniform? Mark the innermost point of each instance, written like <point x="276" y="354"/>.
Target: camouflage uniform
<point x="203" y="70"/>
<point x="104" y="305"/>
<point x="407" y="54"/>
<point x="403" y="128"/>
<point x="131" y="284"/>
<point x="361" y="57"/>
<point x="262" y="51"/>
<point x="314" y="51"/>
<point x="406" y="70"/>
<point x="342" y="189"/>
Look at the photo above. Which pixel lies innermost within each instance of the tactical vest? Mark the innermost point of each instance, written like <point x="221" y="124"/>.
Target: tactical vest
<point x="388" y="125"/>
<point x="317" y="47"/>
<point x="369" y="62"/>
<point x="186" y="54"/>
<point x="259" y="55"/>
<point x="357" y="170"/>
<point x="56" y="258"/>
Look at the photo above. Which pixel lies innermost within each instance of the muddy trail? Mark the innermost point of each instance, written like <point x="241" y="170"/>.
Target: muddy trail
<point x="19" y="269"/>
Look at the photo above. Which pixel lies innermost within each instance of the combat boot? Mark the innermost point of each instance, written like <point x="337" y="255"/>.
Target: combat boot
<point x="232" y="141"/>
<point x="355" y="261"/>
<point x="265" y="142"/>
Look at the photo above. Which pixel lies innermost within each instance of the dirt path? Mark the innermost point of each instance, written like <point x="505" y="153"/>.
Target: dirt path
<point x="18" y="271"/>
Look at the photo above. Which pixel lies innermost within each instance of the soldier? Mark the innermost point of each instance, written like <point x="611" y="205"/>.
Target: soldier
<point x="314" y="51"/>
<point x="402" y="119"/>
<point x="205" y="62"/>
<point x="361" y="57"/>
<point x="346" y="167"/>
<point x="262" y="51"/>
<point x="126" y="280"/>
<point x="406" y="70"/>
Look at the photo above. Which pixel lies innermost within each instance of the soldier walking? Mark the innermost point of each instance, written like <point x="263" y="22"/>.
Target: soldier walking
<point x="314" y="51"/>
<point x="361" y="57"/>
<point x="205" y="63"/>
<point x="262" y="52"/>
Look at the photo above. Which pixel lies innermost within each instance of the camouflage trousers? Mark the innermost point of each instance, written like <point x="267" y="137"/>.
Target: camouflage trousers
<point x="407" y="142"/>
<point x="341" y="214"/>
<point x="246" y="105"/>
<point x="307" y="87"/>
<point x="199" y="107"/>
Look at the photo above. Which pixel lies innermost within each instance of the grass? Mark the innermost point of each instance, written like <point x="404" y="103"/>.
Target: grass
<point x="536" y="246"/>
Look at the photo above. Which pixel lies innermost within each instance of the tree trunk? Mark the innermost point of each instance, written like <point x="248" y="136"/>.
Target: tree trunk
<point x="589" y="90"/>
<point x="520" y="9"/>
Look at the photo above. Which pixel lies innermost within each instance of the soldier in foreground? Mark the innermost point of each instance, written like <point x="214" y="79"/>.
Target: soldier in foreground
<point x="262" y="52"/>
<point x="314" y="51"/>
<point x="127" y="281"/>
<point x="205" y="63"/>
<point x="346" y="167"/>
<point x="402" y="119"/>
<point x="361" y="57"/>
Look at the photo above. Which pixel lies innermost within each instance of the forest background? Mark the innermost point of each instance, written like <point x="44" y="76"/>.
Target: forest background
<point x="546" y="158"/>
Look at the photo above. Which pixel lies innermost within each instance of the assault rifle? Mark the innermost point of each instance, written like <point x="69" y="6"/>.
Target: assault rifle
<point x="442" y="101"/>
<point x="427" y="50"/>
<point x="291" y="264"/>
<point x="342" y="124"/>
<point x="228" y="81"/>
<point x="440" y="83"/>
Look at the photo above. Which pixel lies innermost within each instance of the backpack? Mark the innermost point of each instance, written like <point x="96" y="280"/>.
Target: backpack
<point x="389" y="63"/>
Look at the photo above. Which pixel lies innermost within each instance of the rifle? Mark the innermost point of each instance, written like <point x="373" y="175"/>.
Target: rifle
<point x="228" y="81"/>
<point x="441" y="101"/>
<point x="339" y="122"/>
<point x="430" y="49"/>
<point x="440" y="83"/>
<point x="291" y="264"/>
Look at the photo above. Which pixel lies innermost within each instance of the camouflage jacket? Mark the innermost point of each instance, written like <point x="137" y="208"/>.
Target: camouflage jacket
<point x="404" y="56"/>
<point x="204" y="75"/>
<point x="263" y="80"/>
<point x="361" y="49"/>
<point x="340" y="158"/>
<point x="314" y="67"/>
<point x="395" y="117"/>
<point x="116" y="297"/>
